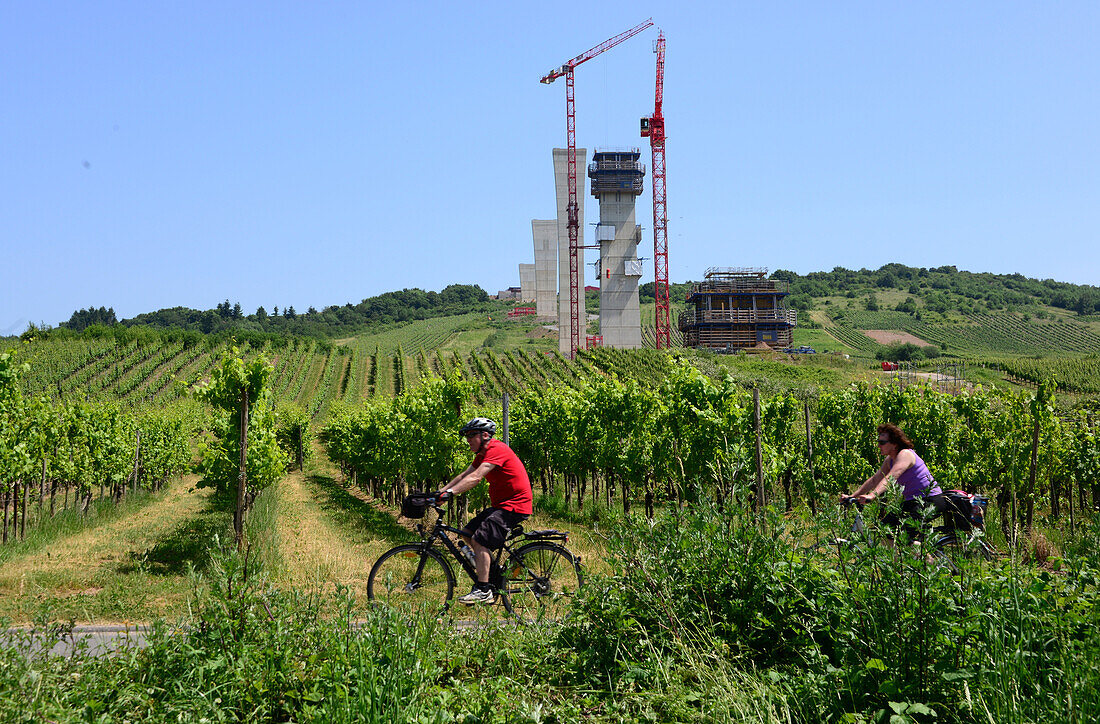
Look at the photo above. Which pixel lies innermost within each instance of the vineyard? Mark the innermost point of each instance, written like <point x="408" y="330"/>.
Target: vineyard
<point x="701" y="476"/>
<point x="971" y="334"/>
<point x="54" y="456"/>
<point x="314" y="374"/>
<point x="686" y="435"/>
<point x="1068" y="374"/>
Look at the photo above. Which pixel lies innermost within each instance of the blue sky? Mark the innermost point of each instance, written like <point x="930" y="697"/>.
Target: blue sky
<point x="163" y="154"/>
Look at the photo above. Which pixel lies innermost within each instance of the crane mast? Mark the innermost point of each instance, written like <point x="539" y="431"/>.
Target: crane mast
<point x="572" y="209"/>
<point x="654" y="128"/>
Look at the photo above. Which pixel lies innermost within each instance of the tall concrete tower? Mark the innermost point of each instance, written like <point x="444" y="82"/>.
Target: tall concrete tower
<point x="617" y="182"/>
<point x="561" y="184"/>
<point x="545" y="235"/>
<point x="527" y="283"/>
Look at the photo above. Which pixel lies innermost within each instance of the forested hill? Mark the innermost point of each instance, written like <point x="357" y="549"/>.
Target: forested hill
<point x="334" y="321"/>
<point x="941" y="289"/>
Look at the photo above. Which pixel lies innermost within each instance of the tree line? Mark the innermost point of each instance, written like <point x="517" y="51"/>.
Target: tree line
<point x="942" y="288"/>
<point x="388" y="308"/>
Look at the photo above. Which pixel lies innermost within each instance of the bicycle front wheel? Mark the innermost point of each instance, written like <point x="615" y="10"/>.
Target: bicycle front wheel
<point x="411" y="574"/>
<point x="541" y="581"/>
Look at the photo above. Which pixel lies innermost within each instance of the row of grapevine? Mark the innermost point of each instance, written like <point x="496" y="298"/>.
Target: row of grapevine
<point x="331" y="381"/>
<point x="647" y="366"/>
<point x="692" y="436"/>
<point x="1070" y="374"/>
<point x="49" y="448"/>
<point x="853" y="338"/>
<point x="387" y="445"/>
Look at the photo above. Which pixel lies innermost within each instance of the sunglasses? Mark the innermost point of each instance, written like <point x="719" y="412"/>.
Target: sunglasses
<point x="883" y="442"/>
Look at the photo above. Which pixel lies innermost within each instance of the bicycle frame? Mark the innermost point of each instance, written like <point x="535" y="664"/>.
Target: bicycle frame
<point x="439" y="532"/>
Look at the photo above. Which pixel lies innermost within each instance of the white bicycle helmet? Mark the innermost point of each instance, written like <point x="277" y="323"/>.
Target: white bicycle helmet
<point x="479" y="424"/>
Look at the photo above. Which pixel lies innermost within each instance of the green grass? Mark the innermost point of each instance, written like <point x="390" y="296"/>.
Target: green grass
<point x="128" y="564"/>
<point x="700" y="616"/>
<point x="820" y="340"/>
<point x="802" y="373"/>
<point x="68" y="522"/>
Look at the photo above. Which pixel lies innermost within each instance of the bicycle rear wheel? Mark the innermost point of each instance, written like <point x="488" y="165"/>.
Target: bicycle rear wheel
<point x="985" y="550"/>
<point x="541" y="581"/>
<point x="969" y="547"/>
<point x="411" y="574"/>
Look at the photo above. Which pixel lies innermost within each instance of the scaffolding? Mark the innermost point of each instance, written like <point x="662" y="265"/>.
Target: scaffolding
<point x="616" y="172"/>
<point x="738" y="308"/>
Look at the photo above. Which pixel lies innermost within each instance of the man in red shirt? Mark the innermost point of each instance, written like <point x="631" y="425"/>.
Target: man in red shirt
<point x="510" y="498"/>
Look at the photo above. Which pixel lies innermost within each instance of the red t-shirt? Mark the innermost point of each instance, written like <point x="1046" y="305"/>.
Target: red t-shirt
<point x="509" y="486"/>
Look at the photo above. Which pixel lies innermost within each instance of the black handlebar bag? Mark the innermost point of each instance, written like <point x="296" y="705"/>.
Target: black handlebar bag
<point x="415" y="505"/>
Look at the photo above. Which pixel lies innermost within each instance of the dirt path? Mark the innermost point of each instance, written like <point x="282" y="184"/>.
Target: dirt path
<point x="129" y="568"/>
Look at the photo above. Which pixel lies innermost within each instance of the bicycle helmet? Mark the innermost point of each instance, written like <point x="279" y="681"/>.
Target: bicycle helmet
<point x="478" y="424"/>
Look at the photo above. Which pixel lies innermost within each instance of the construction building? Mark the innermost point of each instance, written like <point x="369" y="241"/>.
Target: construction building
<point x="738" y="308"/>
<point x="616" y="180"/>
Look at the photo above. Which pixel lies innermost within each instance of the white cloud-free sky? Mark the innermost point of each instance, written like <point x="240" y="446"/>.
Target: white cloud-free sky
<point x="279" y="153"/>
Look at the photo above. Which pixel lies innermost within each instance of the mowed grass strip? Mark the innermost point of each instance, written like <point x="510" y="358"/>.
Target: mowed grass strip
<point x="130" y="569"/>
<point x="325" y="539"/>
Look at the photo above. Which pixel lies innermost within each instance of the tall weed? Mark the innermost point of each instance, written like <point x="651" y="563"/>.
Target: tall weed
<point x="888" y="635"/>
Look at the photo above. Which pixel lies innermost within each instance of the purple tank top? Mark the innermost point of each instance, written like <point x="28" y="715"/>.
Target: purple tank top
<point x="917" y="480"/>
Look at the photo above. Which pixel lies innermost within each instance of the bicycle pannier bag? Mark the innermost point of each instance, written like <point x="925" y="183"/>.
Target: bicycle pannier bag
<point x="959" y="510"/>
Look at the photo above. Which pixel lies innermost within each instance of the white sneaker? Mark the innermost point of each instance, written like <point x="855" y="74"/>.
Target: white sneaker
<point x="477" y="596"/>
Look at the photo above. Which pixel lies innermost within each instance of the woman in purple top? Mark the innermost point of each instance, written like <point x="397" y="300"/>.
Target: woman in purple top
<point x="924" y="501"/>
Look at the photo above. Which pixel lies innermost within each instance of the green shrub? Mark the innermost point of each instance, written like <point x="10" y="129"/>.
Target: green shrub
<point x="866" y="639"/>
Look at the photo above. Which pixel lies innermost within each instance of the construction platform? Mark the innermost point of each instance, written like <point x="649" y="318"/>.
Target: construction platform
<point x="738" y="308"/>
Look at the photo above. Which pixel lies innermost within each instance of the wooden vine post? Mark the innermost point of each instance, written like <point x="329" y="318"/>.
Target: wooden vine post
<point x="810" y="456"/>
<point x="1033" y="471"/>
<point x="299" y="434"/>
<point x="242" y="479"/>
<point x="23" y="520"/>
<point x="137" y="463"/>
<point x="759" y="501"/>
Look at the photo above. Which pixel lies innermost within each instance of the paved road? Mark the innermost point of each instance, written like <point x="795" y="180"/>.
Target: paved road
<point x="99" y="640"/>
<point x="102" y="640"/>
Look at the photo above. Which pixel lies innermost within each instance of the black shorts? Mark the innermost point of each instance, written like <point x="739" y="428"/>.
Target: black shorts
<point x="491" y="526"/>
<point x="916" y="512"/>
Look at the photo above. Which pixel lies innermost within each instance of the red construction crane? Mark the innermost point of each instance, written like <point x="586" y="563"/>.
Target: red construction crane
<point x="571" y="139"/>
<point x="654" y="128"/>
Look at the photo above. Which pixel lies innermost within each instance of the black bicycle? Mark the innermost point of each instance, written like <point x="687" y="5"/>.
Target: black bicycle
<point x="961" y="533"/>
<point x="534" y="574"/>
